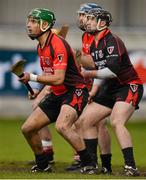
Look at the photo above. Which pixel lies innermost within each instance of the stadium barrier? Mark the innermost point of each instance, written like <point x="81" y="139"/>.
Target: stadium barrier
<point x="13" y="95"/>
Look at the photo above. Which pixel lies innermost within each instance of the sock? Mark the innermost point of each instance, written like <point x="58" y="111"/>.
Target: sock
<point x="91" y="145"/>
<point x="128" y="156"/>
<point x="47" y="145"/>
<point x="106" y="161"/>
<point x="48" y="149"/>
<point x="41" y="161"/>
<point x="85" y="158"/>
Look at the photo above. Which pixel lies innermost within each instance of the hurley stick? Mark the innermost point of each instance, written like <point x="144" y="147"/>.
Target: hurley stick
<point x="17" y="69"/>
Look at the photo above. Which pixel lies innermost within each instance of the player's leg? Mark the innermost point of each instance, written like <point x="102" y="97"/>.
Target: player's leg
<point x="44" y="133"/>
<point x="74" y="103"/>
<point x="76" y="164"/>
<point x="46" y="112"/>
<point x="30" y="128"/>
<point x="91" y="116"/>
<point x="47" y="144"/>
<point x="65" y="120"/>
<point x="121" y="113"/>
<point x="104" y="141"/>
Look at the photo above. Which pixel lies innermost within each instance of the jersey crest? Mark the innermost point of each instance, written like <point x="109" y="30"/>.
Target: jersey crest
<point x="110" y="49"/>
<point x="134" y="87"/>
<point x="60" y="57"/>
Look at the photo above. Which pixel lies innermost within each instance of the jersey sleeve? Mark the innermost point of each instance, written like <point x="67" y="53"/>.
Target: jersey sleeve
<point x="60" y="55"/>
<point x="114" y="50"/>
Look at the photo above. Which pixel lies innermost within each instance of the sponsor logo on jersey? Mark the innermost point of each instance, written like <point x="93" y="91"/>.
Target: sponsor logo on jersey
<point x="48" y="61"/>
<point x="48" y="70"/>
<point x="100" y="54"/>
<point x="110" y="49"/>
<point x="60" y="57"/>
<point x="101" y="64"/>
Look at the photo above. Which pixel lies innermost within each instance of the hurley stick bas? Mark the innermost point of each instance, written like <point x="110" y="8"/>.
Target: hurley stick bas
<point x="63" y="31"/>
<point x="17" y="69"/>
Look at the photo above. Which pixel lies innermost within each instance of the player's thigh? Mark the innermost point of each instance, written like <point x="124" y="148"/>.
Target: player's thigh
<point x="67" y="116"/>
<point x="121" y="112"/>
<point x="93" y="113"/>
<point x="102" y="124"/>
<point x="35" y="121"/>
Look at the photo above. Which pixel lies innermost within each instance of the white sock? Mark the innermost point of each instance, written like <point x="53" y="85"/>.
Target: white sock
<point x="47" y="143"/>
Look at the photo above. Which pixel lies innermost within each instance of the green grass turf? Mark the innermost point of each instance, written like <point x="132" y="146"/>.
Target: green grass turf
<point x="15" y="153"/>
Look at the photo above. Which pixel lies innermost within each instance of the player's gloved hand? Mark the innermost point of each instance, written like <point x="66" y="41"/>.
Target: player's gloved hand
<point x="25" y="78"/>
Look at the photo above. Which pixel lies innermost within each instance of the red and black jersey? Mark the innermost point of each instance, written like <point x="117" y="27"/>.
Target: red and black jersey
<point x="109" y="51"/>
<point x="87" y="40"/>
<point x="58" y="55"/>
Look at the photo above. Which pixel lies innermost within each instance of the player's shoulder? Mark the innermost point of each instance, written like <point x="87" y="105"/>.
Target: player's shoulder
<point x="56" y="38"/>
<point x="87" y="36"/>
<point x="58" y="41"/>
<point x="113" y="38"/>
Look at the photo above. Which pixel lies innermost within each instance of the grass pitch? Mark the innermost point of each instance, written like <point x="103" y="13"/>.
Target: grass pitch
<point x="15" y="153"/>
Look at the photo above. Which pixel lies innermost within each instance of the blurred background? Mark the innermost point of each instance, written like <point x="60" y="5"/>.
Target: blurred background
<point x="129" y="22"/>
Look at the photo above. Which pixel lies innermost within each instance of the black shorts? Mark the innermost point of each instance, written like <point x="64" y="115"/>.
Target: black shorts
<point x="130" y="93"/>
<point x="76" y="98"/>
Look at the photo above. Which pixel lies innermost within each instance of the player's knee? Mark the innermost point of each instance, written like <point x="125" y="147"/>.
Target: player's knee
<point x="61" y="128"/>
<point x="102" y="124"/>
<point x="115" y="123"/>
<point x="26" y="129"/>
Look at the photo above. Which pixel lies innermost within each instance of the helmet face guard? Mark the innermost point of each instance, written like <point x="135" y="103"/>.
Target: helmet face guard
<point x="101" y="15"/>
<point x="41" y="15"/>
<point x="84" y="9"/>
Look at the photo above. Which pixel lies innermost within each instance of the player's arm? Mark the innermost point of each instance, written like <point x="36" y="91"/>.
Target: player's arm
<point x="95" y="87"/>
<point x="56" y="79"/>
<point x="46" y="90"/>
<point x="105" y="73"/>
<point x="37" y="89"/>
<point x="59" y="65"/>
<point x="114" y="51"/>
<point x="85" y="60"/>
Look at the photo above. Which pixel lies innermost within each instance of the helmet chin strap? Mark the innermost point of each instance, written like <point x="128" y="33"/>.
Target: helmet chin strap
<point x="98" y="26"/>
<point x="43" y="31"/>
<point x="41" y="26"/>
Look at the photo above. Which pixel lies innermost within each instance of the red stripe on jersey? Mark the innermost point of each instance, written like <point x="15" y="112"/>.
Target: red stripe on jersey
<point x="135" y="98"/>
<point x="129" y="96"/>
<point x="136" y="81"/>
<point x="77" y="101"/>
<point x="132" y="97"/>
